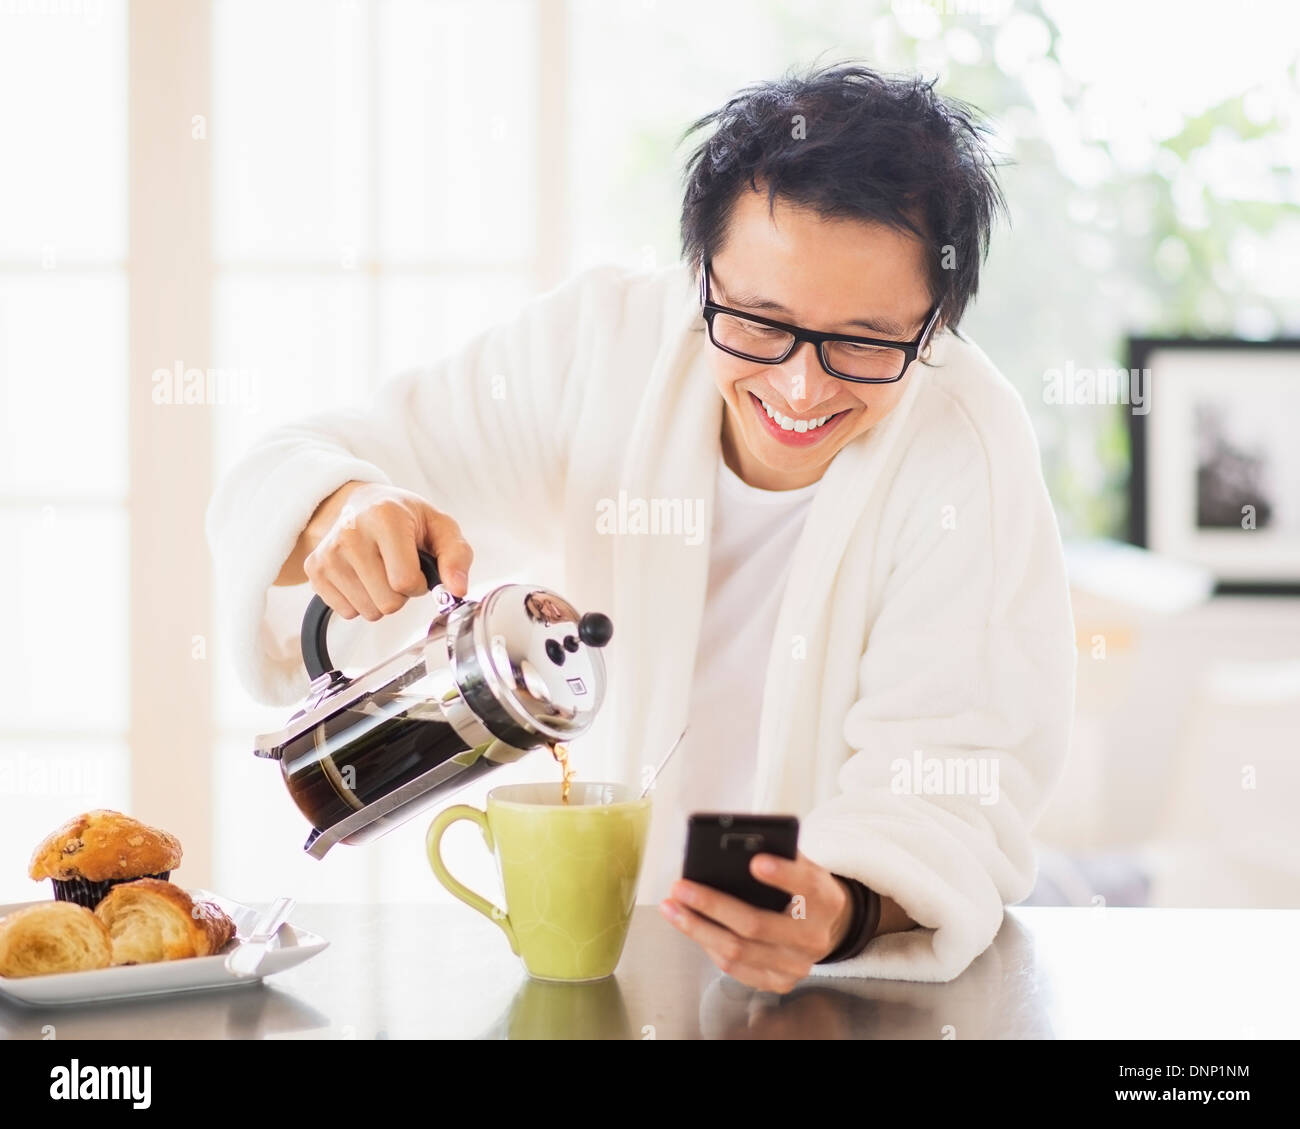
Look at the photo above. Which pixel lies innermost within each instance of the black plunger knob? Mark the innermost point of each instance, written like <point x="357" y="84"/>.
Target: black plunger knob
<point x="594" y="629"/>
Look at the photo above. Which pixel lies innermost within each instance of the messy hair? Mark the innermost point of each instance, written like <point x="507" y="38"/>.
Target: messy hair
<point x="850" y="143"/>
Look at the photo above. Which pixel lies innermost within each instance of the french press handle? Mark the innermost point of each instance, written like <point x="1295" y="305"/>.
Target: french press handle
<point x="315" y="655"/>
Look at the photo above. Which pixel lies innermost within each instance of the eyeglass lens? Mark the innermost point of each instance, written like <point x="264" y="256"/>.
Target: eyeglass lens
<point x="766" y="343"/>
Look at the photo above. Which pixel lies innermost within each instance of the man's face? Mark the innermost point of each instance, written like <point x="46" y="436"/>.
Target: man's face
<point x="836" y="276"/>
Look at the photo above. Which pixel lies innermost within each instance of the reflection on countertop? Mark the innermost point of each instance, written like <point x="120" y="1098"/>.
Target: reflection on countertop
<point x="400" y="971"/>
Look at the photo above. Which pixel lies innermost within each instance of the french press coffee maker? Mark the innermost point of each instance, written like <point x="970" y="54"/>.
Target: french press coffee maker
<point x="489" y="681"/>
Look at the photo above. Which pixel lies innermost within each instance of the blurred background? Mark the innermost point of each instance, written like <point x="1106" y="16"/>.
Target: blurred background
<point x="303" y="197"/>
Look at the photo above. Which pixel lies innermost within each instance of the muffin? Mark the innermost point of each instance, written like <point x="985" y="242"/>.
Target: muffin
<point x="53" y="937"/>
<point x="93" y="852"/>
<point x="148" y="920"/>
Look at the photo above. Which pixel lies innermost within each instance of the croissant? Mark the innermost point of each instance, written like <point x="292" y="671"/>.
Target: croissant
<point x="52" y="937"/>
<point x="151" y="920"/>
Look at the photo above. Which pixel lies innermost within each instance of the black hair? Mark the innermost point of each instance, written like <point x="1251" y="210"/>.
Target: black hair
<point x="850" y="143"/>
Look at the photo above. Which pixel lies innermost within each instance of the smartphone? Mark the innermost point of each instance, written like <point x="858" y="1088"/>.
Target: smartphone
<point x="719" y="847"/>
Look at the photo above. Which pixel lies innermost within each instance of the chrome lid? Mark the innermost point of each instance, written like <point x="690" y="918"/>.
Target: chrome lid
<point x="527" y="661"/>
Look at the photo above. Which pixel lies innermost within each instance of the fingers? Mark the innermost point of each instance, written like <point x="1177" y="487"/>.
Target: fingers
<point x="368" y="563"/>
<point x="807" y="926"/>
<point x="823" y="898"/>
<point x="342" y="574"/>
<point x="746" y="921"/>
<point x="766" y="979"/>
<point x="337" y="602"/>
<point x="794" y="876"/>
<point x="770" y="968"/>
<point x="398" y="550"/>
<point x="452" y="551"/>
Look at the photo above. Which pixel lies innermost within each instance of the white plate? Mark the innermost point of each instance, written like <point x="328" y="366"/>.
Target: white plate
<point x="290" y="946"/>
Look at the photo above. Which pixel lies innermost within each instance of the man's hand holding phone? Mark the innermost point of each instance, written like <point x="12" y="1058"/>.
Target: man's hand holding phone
<point x="767" y="949"/>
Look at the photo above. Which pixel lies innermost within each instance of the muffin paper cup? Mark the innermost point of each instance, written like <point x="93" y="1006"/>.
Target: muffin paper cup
<point x="86" y="893"/>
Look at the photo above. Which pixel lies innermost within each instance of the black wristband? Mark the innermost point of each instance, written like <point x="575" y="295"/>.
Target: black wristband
<point x="864" y="922"/>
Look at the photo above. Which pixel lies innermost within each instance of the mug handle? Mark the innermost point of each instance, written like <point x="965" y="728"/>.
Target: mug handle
<point x="433" y="845"/>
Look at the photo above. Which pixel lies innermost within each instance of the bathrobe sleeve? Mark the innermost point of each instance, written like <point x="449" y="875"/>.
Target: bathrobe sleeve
<point x="482" y="435"/>
<point x="966" y="688"/>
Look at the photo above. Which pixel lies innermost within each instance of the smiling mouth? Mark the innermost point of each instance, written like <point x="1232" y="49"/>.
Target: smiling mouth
<point x="787" y="429"/>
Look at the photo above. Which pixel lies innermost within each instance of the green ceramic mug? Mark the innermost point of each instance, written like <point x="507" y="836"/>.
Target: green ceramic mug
<point x="569" y="872"/>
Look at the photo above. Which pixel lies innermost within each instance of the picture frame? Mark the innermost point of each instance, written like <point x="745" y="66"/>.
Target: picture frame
<point x="1215" y="477"/>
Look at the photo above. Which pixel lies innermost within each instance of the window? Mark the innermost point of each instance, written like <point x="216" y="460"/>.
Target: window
<point x="63" y="430"/>
<point x="367" y="219"/>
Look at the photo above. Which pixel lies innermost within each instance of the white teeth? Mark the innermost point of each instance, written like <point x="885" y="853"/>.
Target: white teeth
<point x="788" y="424"/>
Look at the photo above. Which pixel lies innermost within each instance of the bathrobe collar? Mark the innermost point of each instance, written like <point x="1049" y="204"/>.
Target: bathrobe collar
<point x="661" y="580"/>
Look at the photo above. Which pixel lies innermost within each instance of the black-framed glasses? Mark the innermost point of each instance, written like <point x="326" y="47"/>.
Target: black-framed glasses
<point x="863" y="360"/>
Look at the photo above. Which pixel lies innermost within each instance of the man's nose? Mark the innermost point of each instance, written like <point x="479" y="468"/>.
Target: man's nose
<point x="801" y="379"/>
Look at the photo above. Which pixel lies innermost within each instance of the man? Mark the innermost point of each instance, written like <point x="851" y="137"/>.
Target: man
<point x="874" y="634"/>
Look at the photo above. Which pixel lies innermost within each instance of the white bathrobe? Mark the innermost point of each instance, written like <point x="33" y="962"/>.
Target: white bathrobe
<point x="925" y="625"/>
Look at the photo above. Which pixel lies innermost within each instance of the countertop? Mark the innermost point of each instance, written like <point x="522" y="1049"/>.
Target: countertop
<point x="403" y="971"/>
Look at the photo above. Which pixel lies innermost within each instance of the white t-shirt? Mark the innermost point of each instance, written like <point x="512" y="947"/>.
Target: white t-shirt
<point x="752" y="544"/>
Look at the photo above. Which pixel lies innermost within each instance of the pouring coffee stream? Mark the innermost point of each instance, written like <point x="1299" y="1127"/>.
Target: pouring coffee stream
<point x="560" y="752"/>
<point x="488" y="682"/>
